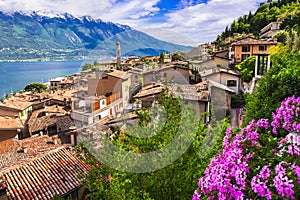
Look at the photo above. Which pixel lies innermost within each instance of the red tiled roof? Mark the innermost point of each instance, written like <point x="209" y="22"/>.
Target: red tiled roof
<point x="119" y="74"/>
<point x="149" y="90"/>
<point x="63" y="123"/>
<point x="8" y="112"/>
<point x="55" y="109"/>
<point x="213" y="71"/>
<point x="251" y="41"/>
<point x="53" y="173"/>
<point x="38" y="124"/>
<point x="32" y="147"/>
<point x="197" y="92"/>
<point x="16" y="103"/>
<point x="10" y="123"/>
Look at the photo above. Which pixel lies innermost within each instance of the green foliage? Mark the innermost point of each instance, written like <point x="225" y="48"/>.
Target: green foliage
<point x="281" y="81"/>
<point x="152" y="65"/>
<point x="176" y="57"/>
<point x="162" y="58"/>
<point x="288" y="12"/>
<point x="293" y="38"/>
<point x="35" y="87"/>
<point x="7" y="96"/>
<point x="246" y="69"/>
<point x="238" y="101"/>
<point x="87" y="66"/>
<point x="55" y="88"/>
<point x="281" y="36"/>
<point x="57" y="197"/>
<point x="145" y="60"/>
<point x="175" y="181"/>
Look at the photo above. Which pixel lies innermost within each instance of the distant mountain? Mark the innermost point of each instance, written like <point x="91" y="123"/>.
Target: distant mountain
<point x="63" y="36"/>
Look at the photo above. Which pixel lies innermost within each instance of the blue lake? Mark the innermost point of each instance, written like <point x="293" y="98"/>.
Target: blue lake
<point x="15" y="75"/>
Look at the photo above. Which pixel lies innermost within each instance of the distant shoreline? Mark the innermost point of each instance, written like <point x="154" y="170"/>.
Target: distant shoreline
<point x="38" y="60"/>
<point x="15" y="75"/>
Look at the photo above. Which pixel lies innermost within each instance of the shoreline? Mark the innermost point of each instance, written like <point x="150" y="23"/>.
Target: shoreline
<point x="37" y="61"/>
<point x="11" y="86"/>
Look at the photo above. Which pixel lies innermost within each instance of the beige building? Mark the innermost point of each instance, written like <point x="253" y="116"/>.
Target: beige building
<point x="242" y="49"/>
<point x="14" y="113"/>
<point x="270" y="30"/>
<point x="10" y="127"/>
<point x="227" y="77"/>
<point x="176" y="72"/>
<point x="107" y="96"/>
<point x="196" y="95"/>
<point x="220" y="97"/>
<point x="16" y="107"/>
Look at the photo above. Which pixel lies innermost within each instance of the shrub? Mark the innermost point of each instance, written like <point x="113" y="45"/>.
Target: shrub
<point x="256" y="161"/>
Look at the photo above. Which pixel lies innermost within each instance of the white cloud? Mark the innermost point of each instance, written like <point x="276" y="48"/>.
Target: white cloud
<point x="204" y="21"/>
<point x="83" y="7"/>
<point x="201" y="22"/>
<point x="105" y="9"/>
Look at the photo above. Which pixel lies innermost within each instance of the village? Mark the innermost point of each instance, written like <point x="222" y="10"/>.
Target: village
<point x="39" y="130"/>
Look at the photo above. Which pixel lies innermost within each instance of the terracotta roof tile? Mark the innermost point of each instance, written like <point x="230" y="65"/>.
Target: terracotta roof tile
<point x="210" y="72"/>
<point x="119" y="74"/>
<point x="64" y="123"/>
<point x="16" y="103"/>
<point x="253" y="42"/>
<point x="55" y="172"/>
<point x="8" y="112"/>
<point x="10" y="123"/>
<point x="32" y="147"/>
<point x="40" y="123"/>
<point x="149" y="90"/>
<point x="55" y="109"/>
<point x="196" y="92"/>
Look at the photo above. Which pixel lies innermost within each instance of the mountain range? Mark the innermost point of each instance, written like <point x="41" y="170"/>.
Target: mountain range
<point x="40" y="35"/>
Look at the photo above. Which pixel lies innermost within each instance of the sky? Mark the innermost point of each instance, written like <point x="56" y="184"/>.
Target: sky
<point x="188" y="22"/>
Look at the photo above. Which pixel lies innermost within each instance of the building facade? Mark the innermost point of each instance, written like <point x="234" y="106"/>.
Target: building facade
<point x="242" y="49"/>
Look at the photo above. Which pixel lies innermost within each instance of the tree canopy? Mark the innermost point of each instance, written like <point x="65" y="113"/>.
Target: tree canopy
<point x="174" y="181"/>
<point x="288" y="12"/>
<point x="246" y="69"/>
<point x="281" y="81"/>
<point x="87" y="66"/>
<point x="35" y="87"/>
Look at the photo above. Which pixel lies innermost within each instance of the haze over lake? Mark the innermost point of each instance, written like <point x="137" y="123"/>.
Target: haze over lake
<point x="15" y="75"/>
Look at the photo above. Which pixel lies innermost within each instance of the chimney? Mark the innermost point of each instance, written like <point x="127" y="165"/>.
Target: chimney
<point x="3" y="187"/>
<point x="118" y="54"/>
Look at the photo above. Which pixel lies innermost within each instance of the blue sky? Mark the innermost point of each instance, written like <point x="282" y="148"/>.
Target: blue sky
<point x="189" y="22"/>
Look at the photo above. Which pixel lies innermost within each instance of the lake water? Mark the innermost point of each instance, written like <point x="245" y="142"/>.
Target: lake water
<point x="15" y="75"/>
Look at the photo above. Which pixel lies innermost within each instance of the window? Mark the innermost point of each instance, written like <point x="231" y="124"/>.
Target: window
<point x="245" y="56"/>
<point x="165" y="75"/>
<point x="103" y="102"/>
<point x="246" y="48"/>
<point x="231" y="83"/>
<point x="262" y="64"/>
<point x="262" y="47"/>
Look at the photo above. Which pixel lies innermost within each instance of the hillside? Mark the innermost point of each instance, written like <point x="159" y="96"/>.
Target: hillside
<point x="63" y="36"/>
<point x="286" y="11"/>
